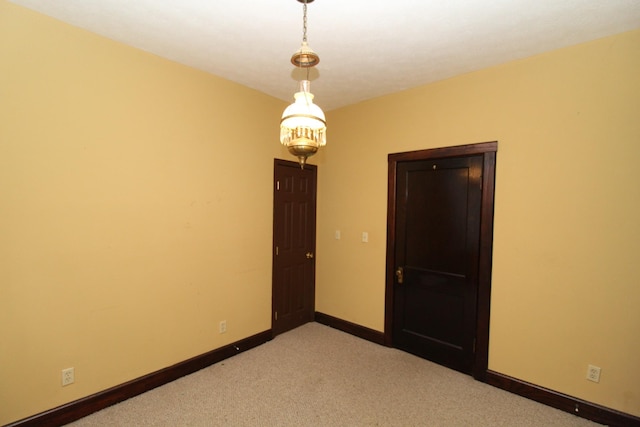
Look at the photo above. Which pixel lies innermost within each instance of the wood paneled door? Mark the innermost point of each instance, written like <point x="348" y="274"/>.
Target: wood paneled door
<point x="438" y="255"/>
<point x="294" y="245"/>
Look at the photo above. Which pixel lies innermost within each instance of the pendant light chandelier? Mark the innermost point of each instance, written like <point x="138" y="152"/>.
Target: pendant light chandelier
<point x="303" y="128"/>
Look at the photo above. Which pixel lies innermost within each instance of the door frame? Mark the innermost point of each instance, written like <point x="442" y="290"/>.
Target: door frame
<point x="488" y="151"/>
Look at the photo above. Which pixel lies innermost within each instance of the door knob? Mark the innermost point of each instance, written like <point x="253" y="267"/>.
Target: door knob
<point x="309" y="255"/>
<point x="400" y="274"/>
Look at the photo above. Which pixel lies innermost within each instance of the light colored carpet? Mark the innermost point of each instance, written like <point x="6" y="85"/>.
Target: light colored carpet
<point x="319" y="376"/>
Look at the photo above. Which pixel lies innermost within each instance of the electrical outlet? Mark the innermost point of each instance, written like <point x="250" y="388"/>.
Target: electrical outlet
<point x="68" y="376"/>
<point x="223" y="326"/>
<point x="593" y="373"/>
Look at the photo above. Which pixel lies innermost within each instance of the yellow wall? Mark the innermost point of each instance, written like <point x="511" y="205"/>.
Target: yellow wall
<point x="566" y="283"/>
<point x="130" y="225"/>
<point x="132" y="216"/>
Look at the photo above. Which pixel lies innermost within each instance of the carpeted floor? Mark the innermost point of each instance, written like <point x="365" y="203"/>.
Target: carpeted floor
<point x="319" y="376"/>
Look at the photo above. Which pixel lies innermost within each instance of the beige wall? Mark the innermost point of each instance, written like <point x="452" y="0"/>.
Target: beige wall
<point x="132" y="216"/>
<point x="566" y="283"/>
<point x="125" y="238"/>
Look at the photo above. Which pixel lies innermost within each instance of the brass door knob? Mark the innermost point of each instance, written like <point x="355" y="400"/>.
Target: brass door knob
<point x="309" y="255"/>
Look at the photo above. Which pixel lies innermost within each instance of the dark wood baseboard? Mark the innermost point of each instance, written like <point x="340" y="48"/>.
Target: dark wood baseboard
<point x="81" y="408"/>
<point x="561" y="401"/>
<point x="350" y="328"/>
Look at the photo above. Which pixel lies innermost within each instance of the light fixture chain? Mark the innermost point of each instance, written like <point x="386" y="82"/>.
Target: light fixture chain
<point x="304" y="21"/>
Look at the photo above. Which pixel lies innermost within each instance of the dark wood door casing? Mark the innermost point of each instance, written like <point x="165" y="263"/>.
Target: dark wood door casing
<point x="488" y="153"/>
<point x="294" y="241"/>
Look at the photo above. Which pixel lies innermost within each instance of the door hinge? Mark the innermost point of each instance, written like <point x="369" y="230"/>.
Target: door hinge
<point x="276" y="314"/>
<point x="474" y="345"/>
<point x="278" y="185"/>
<point x="277" y="251"/>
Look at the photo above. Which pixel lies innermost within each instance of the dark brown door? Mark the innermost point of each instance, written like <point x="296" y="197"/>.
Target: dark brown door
<point x="294" y="226"/>
<point x="436" y="258"/>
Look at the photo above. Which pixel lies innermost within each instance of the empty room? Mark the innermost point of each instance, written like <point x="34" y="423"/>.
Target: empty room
<point x="468" y="205"/>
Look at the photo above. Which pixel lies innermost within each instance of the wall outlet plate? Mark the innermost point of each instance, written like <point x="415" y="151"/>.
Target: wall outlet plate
<point x="68" y="376"/>
<point x="593" y="373"/>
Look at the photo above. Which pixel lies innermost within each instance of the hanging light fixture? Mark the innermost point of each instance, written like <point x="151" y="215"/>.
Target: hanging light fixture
<point x="303" y="128"/>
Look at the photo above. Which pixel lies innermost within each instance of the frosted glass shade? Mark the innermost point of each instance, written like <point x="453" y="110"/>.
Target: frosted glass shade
<point x="303" y="126"/>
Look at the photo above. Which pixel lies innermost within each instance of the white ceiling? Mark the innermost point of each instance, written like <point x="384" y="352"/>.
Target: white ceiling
<point x="367" y="48"/>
